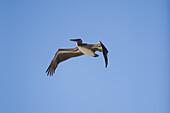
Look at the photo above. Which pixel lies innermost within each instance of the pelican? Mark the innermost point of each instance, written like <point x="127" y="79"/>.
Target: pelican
<point x="81" y="49"/>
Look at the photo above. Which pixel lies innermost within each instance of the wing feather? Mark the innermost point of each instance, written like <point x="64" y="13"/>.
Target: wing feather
<point x="62" y="55"/>
<point x="105" y="51"/>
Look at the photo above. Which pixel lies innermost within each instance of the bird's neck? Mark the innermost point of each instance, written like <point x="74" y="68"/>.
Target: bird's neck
<point x="79" y="43"/>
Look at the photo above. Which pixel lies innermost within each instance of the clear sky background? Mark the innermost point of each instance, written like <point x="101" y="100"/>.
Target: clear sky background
<point x="136" y="33"/>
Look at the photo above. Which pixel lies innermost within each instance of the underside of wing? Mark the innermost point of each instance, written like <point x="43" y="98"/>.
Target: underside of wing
<point x="62" y="55"/>
<point x="100" y="47"/>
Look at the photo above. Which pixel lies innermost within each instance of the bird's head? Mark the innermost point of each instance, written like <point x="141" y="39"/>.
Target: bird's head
<point x="79" y="41"/>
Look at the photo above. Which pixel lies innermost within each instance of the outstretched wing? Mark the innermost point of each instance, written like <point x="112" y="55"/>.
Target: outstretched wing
<point x="105" y="51"/>
<point x="62" y="55"/>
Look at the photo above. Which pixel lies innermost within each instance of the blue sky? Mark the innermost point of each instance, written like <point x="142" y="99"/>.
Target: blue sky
<point x="136" y="33"/>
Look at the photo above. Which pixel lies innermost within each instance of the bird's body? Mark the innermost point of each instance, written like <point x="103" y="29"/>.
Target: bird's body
<point x="86" y="50"/>
<point x="81" y="49"/>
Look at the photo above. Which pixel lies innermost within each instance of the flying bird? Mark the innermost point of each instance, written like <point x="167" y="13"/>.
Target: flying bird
<point x="81" y="49"/>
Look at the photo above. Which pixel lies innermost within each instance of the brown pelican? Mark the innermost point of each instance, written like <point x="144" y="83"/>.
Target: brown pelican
<point x="81" y="49"/>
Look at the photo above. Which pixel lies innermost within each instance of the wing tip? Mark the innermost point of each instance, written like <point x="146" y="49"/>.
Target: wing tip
<point x="50" y="72"/>
<point x="106" y="66"/>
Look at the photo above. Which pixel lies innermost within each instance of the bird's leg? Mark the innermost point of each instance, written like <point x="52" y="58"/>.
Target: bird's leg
<point x="96" y="55"/>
